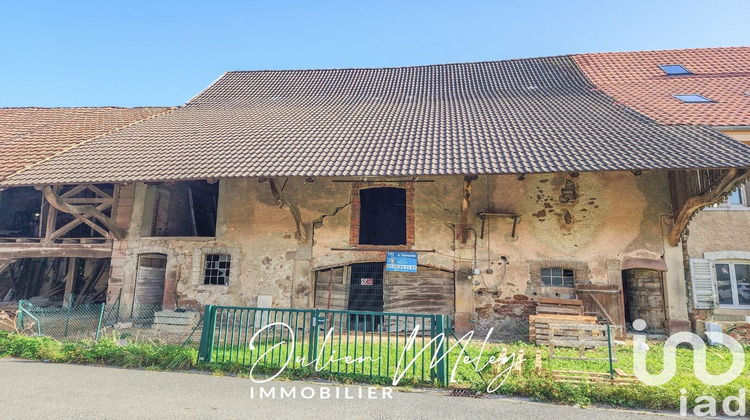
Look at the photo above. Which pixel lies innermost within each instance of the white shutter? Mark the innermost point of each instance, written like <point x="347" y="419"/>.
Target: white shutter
<point x="703" y="275"/>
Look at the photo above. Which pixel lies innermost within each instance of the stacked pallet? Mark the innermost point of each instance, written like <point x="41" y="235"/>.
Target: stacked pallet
<point x="618" y="378"/>
<point x="539" y="325"/>
<point x="559" y="306"/>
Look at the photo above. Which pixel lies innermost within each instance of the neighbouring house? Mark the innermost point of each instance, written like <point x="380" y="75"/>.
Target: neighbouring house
<point x="46" y="253"/>
<point x="471" y="190"/>
<point x="708" y="87"/>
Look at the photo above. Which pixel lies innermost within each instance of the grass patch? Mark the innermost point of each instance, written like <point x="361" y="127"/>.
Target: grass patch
<point x="539" y="385"/>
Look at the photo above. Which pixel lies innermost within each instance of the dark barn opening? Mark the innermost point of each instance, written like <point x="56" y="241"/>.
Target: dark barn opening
<point x="366" y="294"/>
<point x="181" y="209"/>
<point x="382" y="218"/>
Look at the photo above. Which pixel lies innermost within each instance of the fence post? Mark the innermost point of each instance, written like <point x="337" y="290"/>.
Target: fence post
<point x="312" y="345"/>
<point x="441" y="327"/>
<point x="207" y="335"/>
<point x="609" y="343"/>
<point x="67" y="320"/>
<point x="19" y="319"/>
<point x="99" y="325"/>
<point x="117" y="317"/>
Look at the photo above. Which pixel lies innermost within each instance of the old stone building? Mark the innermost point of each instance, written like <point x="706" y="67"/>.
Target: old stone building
<point x="507" y="181"/>
<point x="702" y="87"/>
<point x="44" y="252"/>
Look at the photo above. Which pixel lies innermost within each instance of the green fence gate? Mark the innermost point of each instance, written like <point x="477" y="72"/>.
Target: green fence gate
<point x="371" y="344"/>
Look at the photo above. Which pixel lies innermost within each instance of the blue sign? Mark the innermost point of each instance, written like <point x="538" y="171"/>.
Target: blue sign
<point x="401" y="261"/>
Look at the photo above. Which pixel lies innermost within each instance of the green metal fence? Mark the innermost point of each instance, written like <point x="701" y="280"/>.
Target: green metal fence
<point x="73" y="321"/>
<point x="372" y="344"/>
<point x="92" y="321"/>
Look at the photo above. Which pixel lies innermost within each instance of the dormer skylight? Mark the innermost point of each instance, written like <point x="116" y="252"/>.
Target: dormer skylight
<point x="674" y="69"/>
<point x="692" y="99"/>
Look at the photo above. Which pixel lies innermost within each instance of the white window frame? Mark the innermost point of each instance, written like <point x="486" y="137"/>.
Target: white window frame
<point x="726" y="205"/>
<point x="733" y="283"/>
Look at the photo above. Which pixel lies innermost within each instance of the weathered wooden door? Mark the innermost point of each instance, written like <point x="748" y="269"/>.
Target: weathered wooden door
<point x="644" y="297"/>
<point x="149" y="284"/>
<point x="603" y="301"/>
<point x="428" y="291"/>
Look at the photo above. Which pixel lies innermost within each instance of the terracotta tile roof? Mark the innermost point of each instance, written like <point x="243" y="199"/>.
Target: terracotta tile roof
<point x="30" y="135"/>
<point x="503" y="117"/>
<point x="634" y="79"/>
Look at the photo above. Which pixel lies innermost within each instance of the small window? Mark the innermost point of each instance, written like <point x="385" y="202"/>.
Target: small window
<point x="382" y="216"/>
<point x="733" y="283"/>
<point x="557" y="277"/>
<point x="216" y="269"/>
<point x="674" y="69"/>
<point x="692" y="99"/>
<point x="736" y="199"/>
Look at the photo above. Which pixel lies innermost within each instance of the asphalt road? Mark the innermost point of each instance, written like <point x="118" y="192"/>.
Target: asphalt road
<point x="33" y="390"/>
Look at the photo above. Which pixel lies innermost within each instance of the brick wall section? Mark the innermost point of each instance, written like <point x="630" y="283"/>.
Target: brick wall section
<point x="125" y="206"/>
<point x="741" y="333"/>
<point x="518" y="306"/>
<point x="356" y="207"/>
<point x="124" y="212"/>
<point x="410" y="215"/>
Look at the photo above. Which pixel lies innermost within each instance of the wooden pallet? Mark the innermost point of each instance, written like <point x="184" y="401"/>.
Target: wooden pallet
<point x="517" y="366"/>
<point x="572" y="376"/>
<point x="581" y="336"/>
<point x="559" y="307"/>
<point x="539" y="325"/>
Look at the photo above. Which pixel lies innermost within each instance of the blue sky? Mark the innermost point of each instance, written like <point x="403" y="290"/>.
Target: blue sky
<point x="139" y="53"/>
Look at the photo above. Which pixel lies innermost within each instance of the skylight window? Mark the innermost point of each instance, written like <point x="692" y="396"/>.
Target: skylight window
<point x="692" y="99"/>
<point x="674" y="69"/>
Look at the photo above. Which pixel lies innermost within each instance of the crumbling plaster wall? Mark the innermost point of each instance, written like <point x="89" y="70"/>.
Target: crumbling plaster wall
<point x="614" y="215"/>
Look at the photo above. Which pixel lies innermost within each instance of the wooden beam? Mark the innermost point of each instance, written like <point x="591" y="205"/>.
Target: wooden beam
<point x="42" y="250"/>
<point x="77" y="189"/>
<point x="463" y="227"/>
<point x="283" y="203"/>
<point x="51" y="219"/>
<point x="725" y="185"/>
<point x="4" y="263"/>
<point x="60" y="204"/>
<point x="70" y="278"/>
<point x="97" y="191"/>
<point x="78" y="220"/>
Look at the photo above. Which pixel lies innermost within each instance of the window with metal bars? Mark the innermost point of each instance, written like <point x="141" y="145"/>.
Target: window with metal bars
<point x="216" y="269"/>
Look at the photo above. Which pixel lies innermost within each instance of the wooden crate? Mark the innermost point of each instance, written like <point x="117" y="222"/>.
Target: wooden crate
<point x="539" y="324"/>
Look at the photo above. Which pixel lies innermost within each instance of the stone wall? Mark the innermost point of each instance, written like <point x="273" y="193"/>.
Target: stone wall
<point x="586" y="221"/>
